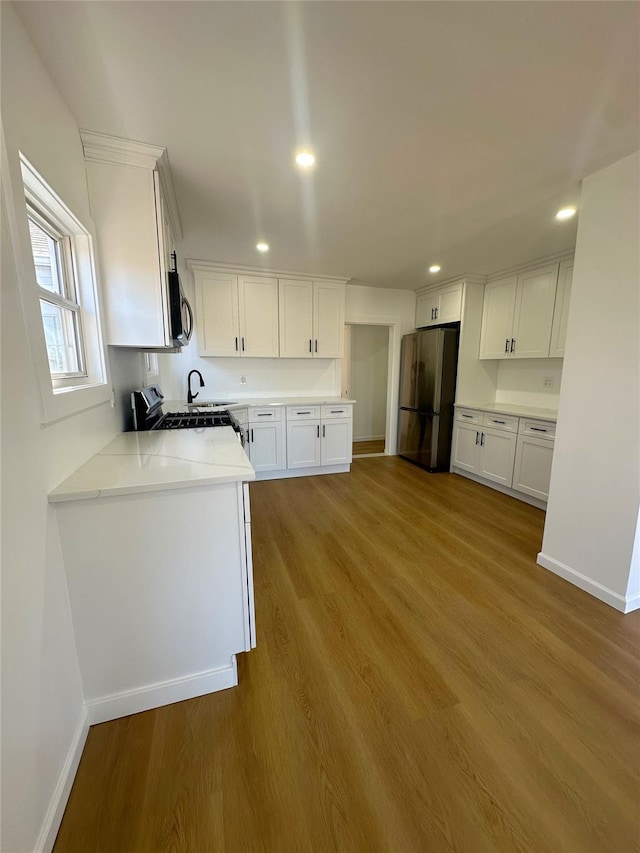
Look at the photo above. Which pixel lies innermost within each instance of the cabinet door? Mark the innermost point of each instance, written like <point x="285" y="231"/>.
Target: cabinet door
<point x="328" y="319"/>
<point x="497" y="452"/>
<point x="449" y="307"/>
<point x="336" y="442"/>
<point x="466" y="444"/>
<point x="532" y="470"/>
<point x="426" y="305"/>
<point x="533" y="313"/>
<point x="267" y="446"/>
<point x="217" y="313"/>
<point x="303" y="444"/>
<point x="296" y="318"/>
<point x="497" y="317"/>
<point x="258" y="304"/>
<point x="561" y="310"/>
<point x="124" y="209"/>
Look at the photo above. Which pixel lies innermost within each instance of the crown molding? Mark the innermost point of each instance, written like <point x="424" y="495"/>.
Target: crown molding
<point x="238" y="269"/>
<point x="468" y="278"/>
<point x="102" y="148"/>
<point x="531" y="265"/>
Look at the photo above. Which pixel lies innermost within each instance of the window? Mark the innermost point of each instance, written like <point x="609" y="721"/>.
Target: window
<point x="61" y="302"/>
<point x="61" y="316"/>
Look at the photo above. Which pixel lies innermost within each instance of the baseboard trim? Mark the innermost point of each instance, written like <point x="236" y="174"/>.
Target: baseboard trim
<point x="368" y="438"/>
<point x="58" y="802"/>
<point x="598" y="590"/>
<point x="285" y="473"/>
<point x="163" y="693"/>
<point x="497" y="487"/>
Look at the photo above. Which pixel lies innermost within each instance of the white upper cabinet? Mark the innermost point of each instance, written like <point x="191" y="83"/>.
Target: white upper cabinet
<point x="296" y="318"/>
<point x="328" y="319"/>
<point x="217" y="315"/>
<point x="311" y="319"/>
<point x="258" y="310"/>
<point x="561" y="310"/>
<point x="133" y="207"/>
<point x="235" y="315"/>
<point x="517" y="315"/>
<point x="443" y="305"/>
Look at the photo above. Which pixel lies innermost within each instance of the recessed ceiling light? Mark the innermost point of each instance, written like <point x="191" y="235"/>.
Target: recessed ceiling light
<point x="566" y="213"/>
<point x="435" y="268"/>
<point x="262" y="247"/>
<point x="305" y="159"/>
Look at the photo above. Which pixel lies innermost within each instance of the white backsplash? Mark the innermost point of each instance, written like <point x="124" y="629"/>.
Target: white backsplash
<point x="263" y="377"/>
<point x="522" y="382"/>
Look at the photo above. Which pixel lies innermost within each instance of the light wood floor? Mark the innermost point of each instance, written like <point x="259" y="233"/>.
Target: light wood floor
<point x="375" y="446"/>
<point x="420" y="685"/>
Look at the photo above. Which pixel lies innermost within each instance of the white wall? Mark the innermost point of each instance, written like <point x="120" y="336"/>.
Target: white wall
<point x="521" y="382"/>
<point x="42" y="702"/>
<point x="382" y="302"/>
<point x="369" y="354"/>
<point x="595" y="482"/>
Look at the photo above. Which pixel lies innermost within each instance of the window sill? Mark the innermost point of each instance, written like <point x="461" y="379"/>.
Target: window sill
<point x="65" y="402"/>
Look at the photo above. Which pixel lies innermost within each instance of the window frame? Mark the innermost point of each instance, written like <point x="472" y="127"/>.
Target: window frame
<point x="68" y="299"/>
<point x="61" y="395"/>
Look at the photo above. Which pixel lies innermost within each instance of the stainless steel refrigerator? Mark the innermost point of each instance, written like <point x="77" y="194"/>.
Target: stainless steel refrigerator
<point x="427" y="393"/>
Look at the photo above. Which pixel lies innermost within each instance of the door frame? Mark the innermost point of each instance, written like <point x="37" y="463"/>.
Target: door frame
<point x="394" y="324"/>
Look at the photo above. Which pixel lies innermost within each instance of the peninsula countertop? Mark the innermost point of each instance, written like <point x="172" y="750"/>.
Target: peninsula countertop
<point x="137" y="462"/>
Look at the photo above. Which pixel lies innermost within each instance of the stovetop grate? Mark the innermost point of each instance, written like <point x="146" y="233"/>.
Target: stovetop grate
<point x="194" y="420"/>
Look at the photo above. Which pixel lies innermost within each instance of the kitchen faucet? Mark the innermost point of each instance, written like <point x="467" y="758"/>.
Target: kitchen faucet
<point x="190" y="395"/>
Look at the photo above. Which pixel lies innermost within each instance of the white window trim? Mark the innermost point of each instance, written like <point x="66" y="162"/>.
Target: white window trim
<point x="94" y="388"/>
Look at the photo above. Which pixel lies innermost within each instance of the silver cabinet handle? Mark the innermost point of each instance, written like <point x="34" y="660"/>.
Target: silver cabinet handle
<point x="494" y="421"/>
<point x="506" y="345"/>
<point x="265" y="415"/>
<point x="242" y="344"/>
<point x="318" y="434"/>
<point x="236" y="343"/>
<point x="436" y="310"/>
<point x="337" y="411"/>
<point x="252" y="435"/>
<point x="481" y="439"/>
<point x="537" y="429"/>
<point x="303" y="413"/>
<point x="316" y="346"/>
<point x="309" y="344"/>
<point x="324" y="431"/>
<point x="513" y="344"/>
<point x="466" y="416"/>
<point x="477" y="437"/>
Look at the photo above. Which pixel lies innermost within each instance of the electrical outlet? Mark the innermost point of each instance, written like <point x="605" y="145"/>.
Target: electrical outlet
<point x="548" y="382"/>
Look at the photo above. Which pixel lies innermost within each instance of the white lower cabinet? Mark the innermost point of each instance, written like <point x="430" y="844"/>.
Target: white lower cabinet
<point x="303" y="444"/>
<point x="265" y="440"/>
<point x="485" y="451"/>
<point x="319" y="436"/>
<point x="336" y="441"/>
<point x="532" y="472"/>
<point x="513" y="452"/>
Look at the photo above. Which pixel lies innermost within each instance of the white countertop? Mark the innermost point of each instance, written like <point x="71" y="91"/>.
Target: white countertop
<point x="260" y="401"/>
<point x="136" y="462"/>
<point x="513" y="409"/>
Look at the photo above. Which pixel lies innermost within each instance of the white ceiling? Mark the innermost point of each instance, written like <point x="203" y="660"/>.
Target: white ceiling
<point x="445" y="132"/>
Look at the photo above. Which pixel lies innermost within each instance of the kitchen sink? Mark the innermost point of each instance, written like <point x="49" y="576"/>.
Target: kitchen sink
<point x="211" y="404"/>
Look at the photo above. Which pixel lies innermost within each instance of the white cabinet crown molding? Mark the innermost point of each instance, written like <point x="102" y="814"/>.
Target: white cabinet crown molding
<point x="531" y="265"/>
<point x="195" y="265"/>
<point x="458" y="279"/>
<point x="102" y="148"/>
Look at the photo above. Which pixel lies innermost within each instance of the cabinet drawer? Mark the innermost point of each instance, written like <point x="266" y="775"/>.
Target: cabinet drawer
<point x="507" y="422"/>
<point x="336" y="411"/>
<point x="541" y="429"/>
<point x="469" y="416"/>
<point x="303" y="413"/>
<point x="268" y="413"/>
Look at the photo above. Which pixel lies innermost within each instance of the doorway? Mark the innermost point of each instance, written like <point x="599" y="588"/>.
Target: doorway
<point x="365" y="379"/>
